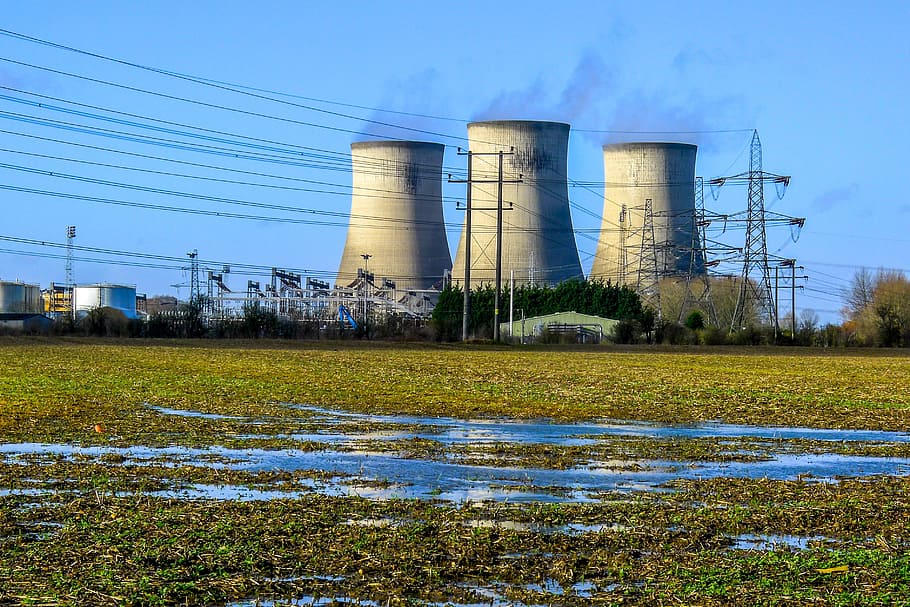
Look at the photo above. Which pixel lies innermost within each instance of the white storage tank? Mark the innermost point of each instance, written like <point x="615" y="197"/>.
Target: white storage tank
<point x="118" y="297"/>
<point x="20" y="298"/>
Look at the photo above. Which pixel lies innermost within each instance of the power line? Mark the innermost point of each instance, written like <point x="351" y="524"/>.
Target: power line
<point x="391" y="193"/>
<point x="256" y="92"/>
<point x="241" y="111"/>
<point x="212" y="213"/>
<point x="93" y="115"/>
<point x="179" y="261"/>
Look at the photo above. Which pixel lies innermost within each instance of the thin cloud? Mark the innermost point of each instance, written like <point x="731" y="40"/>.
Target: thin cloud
<point x="836" y="197"/>
<point x="578" y="100"/>
<point x="416" y="103"/>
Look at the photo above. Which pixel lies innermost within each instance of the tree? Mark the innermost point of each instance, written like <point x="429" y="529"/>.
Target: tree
<point x="891" y="304"/>
<point x="193" y="316"/>
<point x="878" y="308"/>
<point x="695" y="320"/>
<point x="648" y="323"/>
<point x="858" y="295"/>
<point x="586" y="297"/>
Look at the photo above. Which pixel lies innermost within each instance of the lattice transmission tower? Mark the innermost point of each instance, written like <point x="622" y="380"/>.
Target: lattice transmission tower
<point x="755" y="285"/>
<point x="623" y="246"/>
<point x="648" y="276"/>
<point x="698" y="262"/>
<point x="194" y="275"/>
<point x="755" y="294"/>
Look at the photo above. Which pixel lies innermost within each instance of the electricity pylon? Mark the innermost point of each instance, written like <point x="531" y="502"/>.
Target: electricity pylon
<point x="698" y="261"/>
<point x="755" y="286"/>
<point x="648" y="278"/>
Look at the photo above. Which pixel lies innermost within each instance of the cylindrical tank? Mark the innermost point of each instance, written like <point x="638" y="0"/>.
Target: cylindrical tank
<point x="396" y="231"/>
<point x="20" y="298"/>
<point x="538" y="242"/>
<point x="634" y="173"/>
<point x="118" y="297"/>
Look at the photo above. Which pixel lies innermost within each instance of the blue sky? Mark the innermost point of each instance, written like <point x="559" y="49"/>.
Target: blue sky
<point x="826" y="85"/>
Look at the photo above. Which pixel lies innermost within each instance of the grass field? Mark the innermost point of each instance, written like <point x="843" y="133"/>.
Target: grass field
<point x="95" y="532"/>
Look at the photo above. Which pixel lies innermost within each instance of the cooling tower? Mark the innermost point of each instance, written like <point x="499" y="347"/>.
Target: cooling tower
<point x="634" y="173"/>
<point x="396" y="215"/>
<point x="538" y="243"/>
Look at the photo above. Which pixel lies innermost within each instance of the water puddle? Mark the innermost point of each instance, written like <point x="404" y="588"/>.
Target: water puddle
<point x="448" y="430"/>
<point x="306" y="601"/>
<point x="189" y="413"/>
<point x="770" y="543"/>
<point x="568" y="529"/>
<point x="493" y="595"/>
<point x="389" y="474"/>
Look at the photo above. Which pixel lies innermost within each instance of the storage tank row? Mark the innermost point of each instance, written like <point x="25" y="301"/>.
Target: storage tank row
<point x="397" y="232"/>
<point x="17" y="298"/>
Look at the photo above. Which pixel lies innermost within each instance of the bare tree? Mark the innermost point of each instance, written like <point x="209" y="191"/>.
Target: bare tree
<point x="878" y="307"/>
<point x="858" y="295"/>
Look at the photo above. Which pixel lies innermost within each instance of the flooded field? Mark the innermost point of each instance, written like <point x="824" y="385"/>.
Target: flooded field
<point x="446" y="459"/>
<point x="152" y="483"/>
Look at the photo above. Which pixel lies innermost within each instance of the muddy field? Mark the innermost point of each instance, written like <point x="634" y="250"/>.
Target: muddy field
<point x="182" y="473"/>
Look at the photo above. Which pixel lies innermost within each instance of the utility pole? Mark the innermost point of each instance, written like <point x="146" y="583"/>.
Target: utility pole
<point x="466" y="314"/>
<point x="790" y="263"/>
<point x="511" y="302"/>
<point x="793" y="287"/>
<point x="365" y="284"/>
<point x="793" y="298"/>
<point x="776" y="306"/>
<point x="467" y="249"/>
<point x="498" y="291"/>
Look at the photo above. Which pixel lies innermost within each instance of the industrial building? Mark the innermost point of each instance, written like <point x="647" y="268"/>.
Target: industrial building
<point x="570" y="326"/>
<point x="648" y="223"/>
<point x="396" y="238"/>
<point x="538" y="242"/>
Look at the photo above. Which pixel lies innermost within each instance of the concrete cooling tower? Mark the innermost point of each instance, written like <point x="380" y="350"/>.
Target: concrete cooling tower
<point x="538" y="243"/>
<point x="634" y="173"/>
<point x="396" y="215"/>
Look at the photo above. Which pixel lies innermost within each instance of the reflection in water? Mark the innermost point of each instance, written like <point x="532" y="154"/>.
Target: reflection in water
<point x="750" y="541"/>
<point x="450" y="430"/>
<point x="388" y="475"/>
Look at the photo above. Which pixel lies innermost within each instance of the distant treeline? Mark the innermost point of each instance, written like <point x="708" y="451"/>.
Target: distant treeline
<point x="586" y="297"/>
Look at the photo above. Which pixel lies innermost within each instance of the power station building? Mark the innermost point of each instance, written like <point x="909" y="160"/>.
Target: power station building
<point x="635" y="173"/>
<point x="538" y="242"/>
<point x="396" y="231"/>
